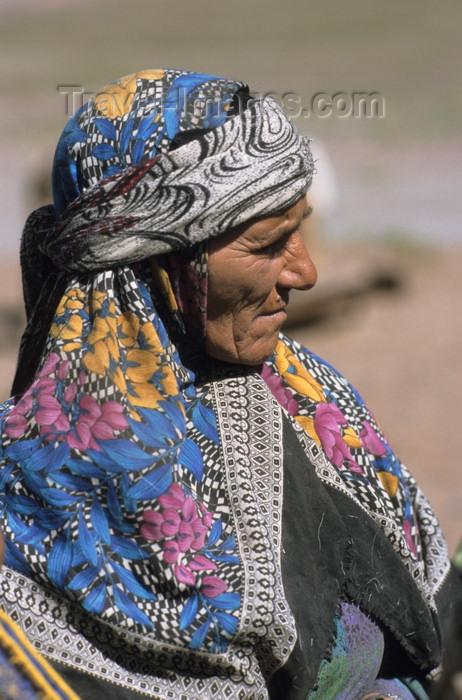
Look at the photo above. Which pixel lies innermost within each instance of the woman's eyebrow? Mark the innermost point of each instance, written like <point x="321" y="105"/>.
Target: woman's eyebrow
<point x="291" y="230"/>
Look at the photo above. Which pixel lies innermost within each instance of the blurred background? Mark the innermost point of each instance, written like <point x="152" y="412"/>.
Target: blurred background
<point x="385" y="231"/>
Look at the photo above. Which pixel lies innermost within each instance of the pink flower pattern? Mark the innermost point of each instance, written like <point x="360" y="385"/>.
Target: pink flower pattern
<point x="212" y="586"/>
<point x="371" y="440"/>
<point x="407" y="528"/>
<point x="77" y="418"/>
<point x="283" y="395"/>
<point x="328" y="421"/>
<point x="183" y="524"/>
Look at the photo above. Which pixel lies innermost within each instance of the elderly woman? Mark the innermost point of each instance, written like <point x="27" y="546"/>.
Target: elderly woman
<point x="195" y="506"/>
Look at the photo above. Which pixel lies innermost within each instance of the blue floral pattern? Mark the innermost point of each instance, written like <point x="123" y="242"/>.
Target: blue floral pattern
<point x="97" y="489"/>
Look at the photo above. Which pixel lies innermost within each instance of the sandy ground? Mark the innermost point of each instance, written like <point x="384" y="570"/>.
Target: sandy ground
<point x="400" y="348"/>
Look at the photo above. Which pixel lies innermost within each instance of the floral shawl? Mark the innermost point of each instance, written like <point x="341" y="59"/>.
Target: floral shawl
<point x="145" y="488"/>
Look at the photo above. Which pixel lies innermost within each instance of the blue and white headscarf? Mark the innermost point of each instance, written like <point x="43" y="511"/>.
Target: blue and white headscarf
<point x="135" y="197"/>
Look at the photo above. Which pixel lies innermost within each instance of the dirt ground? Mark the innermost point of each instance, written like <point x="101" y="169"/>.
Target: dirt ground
<point x="399" y="346"/>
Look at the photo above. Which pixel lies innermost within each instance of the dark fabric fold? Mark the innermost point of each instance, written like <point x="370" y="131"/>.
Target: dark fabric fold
<point x="331" y="551"/>
<point x="314" y="544"/>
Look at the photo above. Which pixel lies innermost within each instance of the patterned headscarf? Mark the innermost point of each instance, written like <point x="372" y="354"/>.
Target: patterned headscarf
<point x="152" y="201"/>
<point x="156" y="162"/>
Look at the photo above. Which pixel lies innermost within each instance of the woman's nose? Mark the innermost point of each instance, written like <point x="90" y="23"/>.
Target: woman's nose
<point x="299" y="271"/>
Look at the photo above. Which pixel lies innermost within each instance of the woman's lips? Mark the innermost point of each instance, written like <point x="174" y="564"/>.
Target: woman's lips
<point x="279" y="314"/>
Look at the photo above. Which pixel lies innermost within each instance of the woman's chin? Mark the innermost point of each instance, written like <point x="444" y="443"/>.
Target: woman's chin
<point x="254" y="355"/>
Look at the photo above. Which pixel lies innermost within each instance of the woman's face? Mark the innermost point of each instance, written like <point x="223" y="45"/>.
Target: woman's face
<point x="252" y="269"/>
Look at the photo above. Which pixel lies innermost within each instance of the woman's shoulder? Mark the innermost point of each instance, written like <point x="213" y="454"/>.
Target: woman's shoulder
<point x="294" y="358"/>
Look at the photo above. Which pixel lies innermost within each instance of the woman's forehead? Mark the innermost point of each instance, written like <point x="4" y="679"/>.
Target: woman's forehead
<point x="263" y="229"/>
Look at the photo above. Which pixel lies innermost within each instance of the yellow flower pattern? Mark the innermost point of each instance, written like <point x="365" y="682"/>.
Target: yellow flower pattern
<point x="68" y="322"/>
<point x="390" y="483"/>
<point x="117" y="345"/>
<point x="351" y="437"/>
<point x="103" y="345"/>
<point x="296" y="375"/>
<point x="307" y="424"/>
<point x="116" y="99"/>
<point x="163" y="283"/>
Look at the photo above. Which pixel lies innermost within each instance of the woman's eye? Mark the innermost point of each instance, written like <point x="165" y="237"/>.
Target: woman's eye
<point x="275" y="246"/>
<point x="268" y="249"/>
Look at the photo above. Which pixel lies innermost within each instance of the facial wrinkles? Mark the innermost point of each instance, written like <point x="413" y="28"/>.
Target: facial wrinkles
<point x="244" y="290"/>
